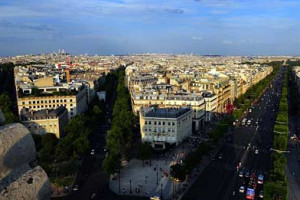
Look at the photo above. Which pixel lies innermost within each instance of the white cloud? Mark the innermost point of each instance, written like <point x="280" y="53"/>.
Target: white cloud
<point x="227" y="42"/>
<point x="197" y="38"/>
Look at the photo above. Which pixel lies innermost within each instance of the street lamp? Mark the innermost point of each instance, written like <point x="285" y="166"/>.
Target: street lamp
<point x="119" y="180"/>
<point x="156" y="176"/>
<point x="161" y="193"/>
<point x="130" y="191"/>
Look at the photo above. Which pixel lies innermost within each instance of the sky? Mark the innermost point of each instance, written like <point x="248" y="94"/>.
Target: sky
<point x="106" y="27"/>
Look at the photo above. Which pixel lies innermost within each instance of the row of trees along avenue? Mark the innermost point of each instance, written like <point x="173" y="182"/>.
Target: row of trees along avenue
<point x="276" y="187"/>
<point x="118" y="138"/>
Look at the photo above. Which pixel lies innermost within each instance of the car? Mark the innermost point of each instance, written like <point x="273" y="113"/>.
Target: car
<point x="260" y="179"/>
<point x="249" y="122"/>
<point x="242" y="189"/>
<point x="93" y="196"/>
<point x="220" y="156"/>
<point x="241" y="174"/>
<point x="256" y="151"/>
<point x="75" y="188"/>
<point x="261" y="194"/>
<point x="93" y="152"/>
<point x="250" y="110"/>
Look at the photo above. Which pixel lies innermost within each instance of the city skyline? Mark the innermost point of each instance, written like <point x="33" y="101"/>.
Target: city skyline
<point x="225" y="27"/>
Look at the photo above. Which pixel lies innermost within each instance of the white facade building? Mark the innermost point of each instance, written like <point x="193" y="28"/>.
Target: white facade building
<point x="161" y="126"/>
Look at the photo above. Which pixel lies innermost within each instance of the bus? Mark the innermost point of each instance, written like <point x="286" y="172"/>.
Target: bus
<point x="250" y="194"/>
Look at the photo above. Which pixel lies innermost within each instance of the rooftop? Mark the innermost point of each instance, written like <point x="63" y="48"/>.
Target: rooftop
<point x="166" y="112"/>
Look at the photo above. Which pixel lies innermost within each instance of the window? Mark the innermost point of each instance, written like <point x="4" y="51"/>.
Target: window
<point x="42" y="101"/>
<point x="149" y="122"/>
<point x="163" y="123"/>
<point x="71" y="113"/>
<point x="173" y="123"/>
<point x="23" y="102"/>
<point x="169" y="123"/>
<point x="53" y="101"/>
<point x="71" y="100"/>
<point x="33" y="102"/>
<point x="71" y="104"/>
<point x="65" y="100"/>
<point x="159" y="123"/>
<point x="37" y="101"/>
<point x="145" y="121"/>
<point x="154" y="122"/>
<point x="57" y="100"/>
<point x="33" y="106"/>
<point x="29" y="102"/>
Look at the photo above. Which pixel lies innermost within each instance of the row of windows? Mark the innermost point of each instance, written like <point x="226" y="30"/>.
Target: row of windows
<point x="160" y="123"/>
<point x="48" y="101"/>
<point x="159" y="129"/>
<point x="46" y="106"/>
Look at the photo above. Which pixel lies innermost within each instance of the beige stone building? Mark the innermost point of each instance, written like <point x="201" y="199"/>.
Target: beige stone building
<point x="46" y="121"/>
<point x="165" y="126"/>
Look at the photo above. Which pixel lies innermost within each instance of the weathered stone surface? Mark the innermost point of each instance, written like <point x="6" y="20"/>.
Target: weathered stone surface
<point x="16" y="148"/>
<point x="17" y="179"/>
<point x="34" y="184"/>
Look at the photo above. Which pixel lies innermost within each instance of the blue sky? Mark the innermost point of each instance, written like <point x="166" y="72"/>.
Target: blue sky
<point x="104" y="27"/>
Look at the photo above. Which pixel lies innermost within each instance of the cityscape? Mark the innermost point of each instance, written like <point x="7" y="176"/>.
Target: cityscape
<point x="159" y="100"/>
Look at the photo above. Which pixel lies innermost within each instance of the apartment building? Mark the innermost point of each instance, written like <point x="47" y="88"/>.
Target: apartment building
<point x="45" y="121"/>
<point x="195" y="101"/>
<point x="165" y="126"/>
<point x="74" y="103"/>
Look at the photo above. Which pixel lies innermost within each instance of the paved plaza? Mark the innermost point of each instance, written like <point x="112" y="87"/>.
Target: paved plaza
<point x="152" y="178"/>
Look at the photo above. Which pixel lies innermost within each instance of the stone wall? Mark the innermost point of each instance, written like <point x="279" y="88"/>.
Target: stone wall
<point x="17" y="179"/>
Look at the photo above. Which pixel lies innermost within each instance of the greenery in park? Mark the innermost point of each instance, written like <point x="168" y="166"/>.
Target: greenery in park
<point x="276" y="186"/>
<point x="118" y="139"/>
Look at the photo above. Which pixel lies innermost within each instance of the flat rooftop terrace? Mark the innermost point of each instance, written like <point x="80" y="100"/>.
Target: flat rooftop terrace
<point x="166" y="112"/>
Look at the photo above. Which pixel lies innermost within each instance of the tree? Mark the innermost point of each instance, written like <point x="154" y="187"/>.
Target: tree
<point x="49" y="142"/>
<point x="178" y="172"/>
<point x="112" y="163"/>
<point x="144" y="152"/>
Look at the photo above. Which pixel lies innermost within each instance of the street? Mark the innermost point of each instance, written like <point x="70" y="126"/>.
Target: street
<point x="220" y="179"/>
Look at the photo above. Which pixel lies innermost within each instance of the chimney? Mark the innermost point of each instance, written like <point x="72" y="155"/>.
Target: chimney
<point x="68" y="75"/>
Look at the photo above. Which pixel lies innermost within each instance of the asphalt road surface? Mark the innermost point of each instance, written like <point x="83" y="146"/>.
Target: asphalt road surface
<point x="220" y="179"/>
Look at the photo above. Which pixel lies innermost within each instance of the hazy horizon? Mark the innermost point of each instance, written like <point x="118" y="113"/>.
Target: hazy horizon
<point x="105" y="27"/>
